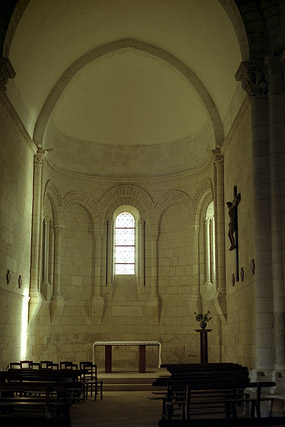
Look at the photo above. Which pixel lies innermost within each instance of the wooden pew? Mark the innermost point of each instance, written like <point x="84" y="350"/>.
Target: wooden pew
<point x="43" y="392"/>
<point x="201" y="392"/>
<point x="187" y="372"/>
<point x="206" y="402"/>
<point x="172" y="367"/>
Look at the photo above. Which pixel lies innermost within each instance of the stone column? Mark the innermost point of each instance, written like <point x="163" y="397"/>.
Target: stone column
<point x="57" y="301"/>
<point x="207" y="251"/>
<point x="154" y="298"/>
<point x="51" y="257"/>
<point x="212" y="251"/>
<point x="154" y="266"/>
<point x="57" y="250"/>
<point x="46" y="252"/>
<point x="220" y="301"/>
<point x="195" y="299"/>
<point x="97" y="300"/>
<point x="35" y="296"/>
<point x="140" y="253"/>
<point x="276" y="98"/>
<point x="252" y="74"/>
<point x="110" y="227"/>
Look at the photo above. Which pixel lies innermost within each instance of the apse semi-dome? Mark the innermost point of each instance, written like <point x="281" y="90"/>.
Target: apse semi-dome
<point x="129" y="98"/>
<point x="111" y="85"/>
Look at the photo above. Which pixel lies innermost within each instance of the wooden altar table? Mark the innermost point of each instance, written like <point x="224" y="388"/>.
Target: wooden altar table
<point x="142" y="352"/>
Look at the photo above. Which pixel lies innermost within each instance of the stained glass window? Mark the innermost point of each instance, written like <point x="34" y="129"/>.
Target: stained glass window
<point x="125" y="244"/>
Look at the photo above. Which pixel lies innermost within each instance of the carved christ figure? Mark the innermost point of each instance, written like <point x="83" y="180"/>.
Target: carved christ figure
<point x="232" y="206"/>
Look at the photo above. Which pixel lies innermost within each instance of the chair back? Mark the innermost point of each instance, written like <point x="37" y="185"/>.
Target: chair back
<point x="68" y="365"/>
<point x="14" y="365"/>
<point x="89" y="370"/>
<point x="35" y="365"/>
<point x="48" y="364"/>
<point x="26" y="364"/>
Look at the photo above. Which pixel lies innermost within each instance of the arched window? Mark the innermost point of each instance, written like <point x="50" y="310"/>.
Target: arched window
<point x="125" y="244"/>
<point x="210" y="245"/>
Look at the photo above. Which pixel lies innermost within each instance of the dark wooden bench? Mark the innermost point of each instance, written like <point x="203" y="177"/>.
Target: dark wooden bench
<point x="42" y="400"/>
<point x="205" y="392"/>
<point x="220" y="400"/>
<point x="44" y="393"/>
<point x="195" y="372"/>
<point x="174" y="367"/>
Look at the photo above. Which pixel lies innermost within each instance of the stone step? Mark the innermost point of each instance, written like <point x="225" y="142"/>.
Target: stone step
<point x="127" y="380"/>
<point x="132" y="381"/>
<point x="127" y="387"/>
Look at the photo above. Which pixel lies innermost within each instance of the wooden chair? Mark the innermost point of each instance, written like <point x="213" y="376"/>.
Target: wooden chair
<point x="68" y="365"/>
<point x="90" y="379"/>
<point x="14" y="365"/>
<point x="25" y="364"/>
<point x="48" y="364"/>
<point x="35" y="365"/>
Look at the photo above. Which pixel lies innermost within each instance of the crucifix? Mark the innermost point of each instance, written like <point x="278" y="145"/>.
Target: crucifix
<point x="233" y="226"/>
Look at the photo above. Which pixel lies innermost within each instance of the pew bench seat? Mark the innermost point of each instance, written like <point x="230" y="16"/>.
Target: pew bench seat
<point x="39" y="394"/>
<point x="196" y="392"/>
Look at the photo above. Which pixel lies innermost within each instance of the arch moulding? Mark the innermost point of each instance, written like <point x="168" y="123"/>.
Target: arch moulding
<point x="167" y="200"/>
<point x="205" y="191"/>
<point x="125" y="195"/>
<point x="76" y="197"/>
<point x="53" y="195"/>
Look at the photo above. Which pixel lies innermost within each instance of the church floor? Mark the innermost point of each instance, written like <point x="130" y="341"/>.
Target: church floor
<point x="125" y="402"/>
<point x="118" y="409"/>
<point x="123" y="408"/>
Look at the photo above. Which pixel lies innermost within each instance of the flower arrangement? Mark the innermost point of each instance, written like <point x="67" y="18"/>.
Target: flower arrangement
<point x="203" y="318"/>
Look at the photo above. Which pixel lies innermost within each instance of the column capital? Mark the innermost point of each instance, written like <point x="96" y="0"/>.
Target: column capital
<point x="39" y="156"/>
<point x="253" y="76"/>
<point x="39" y="159"/>
<point x="98" y="233"/>
<point x="219" y="158"/>
<point x="6" y="72"/>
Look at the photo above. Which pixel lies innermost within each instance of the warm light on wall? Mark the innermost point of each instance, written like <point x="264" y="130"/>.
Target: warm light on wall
<point x="24" y="324"/>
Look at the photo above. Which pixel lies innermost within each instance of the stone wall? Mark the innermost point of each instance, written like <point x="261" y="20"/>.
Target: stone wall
<point x="139" y="308"/>
<point x="239" y="333"/>
<point x="154" y="307"/>
<point x="16" y="181"/>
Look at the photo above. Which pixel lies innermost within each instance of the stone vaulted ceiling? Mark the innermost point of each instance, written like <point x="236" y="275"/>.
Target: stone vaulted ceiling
<point x="124" y="88"/>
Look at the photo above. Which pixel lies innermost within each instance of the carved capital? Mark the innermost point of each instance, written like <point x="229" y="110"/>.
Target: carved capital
<point x="6" y="72"/>
<point x="219" y="158"/>
<point x="46" y="220"/>
<point x="98" y="233"/>
<point x="254" y="78"/>
<point x="38" y="159"/>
